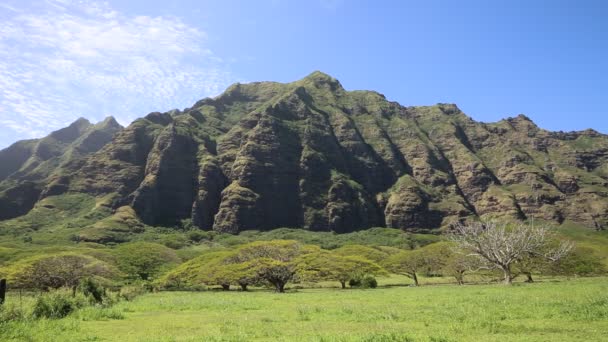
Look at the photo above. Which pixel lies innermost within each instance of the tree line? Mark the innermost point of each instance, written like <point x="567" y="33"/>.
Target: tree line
<point x="491" y="249"/>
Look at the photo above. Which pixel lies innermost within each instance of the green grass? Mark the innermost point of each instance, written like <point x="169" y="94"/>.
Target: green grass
<point x="575" y="310"/>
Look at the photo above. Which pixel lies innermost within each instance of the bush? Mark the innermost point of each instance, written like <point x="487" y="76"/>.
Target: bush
<point x="369" y="282"/>
<point x="363" y="282"/>
<point x="354" y="282"/>
<point x="198" y="236"/>
<point x="175" y="242"/>
<point x="92" y="289"/>
<point x="57" y="304"/>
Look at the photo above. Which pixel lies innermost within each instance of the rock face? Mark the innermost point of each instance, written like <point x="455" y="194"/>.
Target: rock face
<point x="28" y="167"/>
<point x="310" y="154"/>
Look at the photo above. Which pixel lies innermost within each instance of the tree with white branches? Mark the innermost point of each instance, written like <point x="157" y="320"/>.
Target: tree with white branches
<point x="503" y="245"/>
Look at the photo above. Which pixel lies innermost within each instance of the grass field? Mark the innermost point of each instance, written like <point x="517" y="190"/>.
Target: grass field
<point x="569" y="310"/>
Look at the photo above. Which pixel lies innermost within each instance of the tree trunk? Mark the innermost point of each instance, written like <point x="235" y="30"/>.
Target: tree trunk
<point x="280" y="287"/>
<point x="415" y="278"/>
<point x="508" y="280"/>
<point x="343" y="283"/>
<point x="460" y="278"/>
<point x="225" y="287"/>
<point x="2" y="291"/>
<point x="244" y="287"/>
<point x="529" y="277"/>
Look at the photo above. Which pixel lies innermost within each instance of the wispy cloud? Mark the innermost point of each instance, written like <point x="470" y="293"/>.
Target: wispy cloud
<point x="61" y="59"/>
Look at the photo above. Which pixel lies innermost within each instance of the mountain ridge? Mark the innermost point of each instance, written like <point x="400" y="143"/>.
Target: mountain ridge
<point x="310" y="154"/>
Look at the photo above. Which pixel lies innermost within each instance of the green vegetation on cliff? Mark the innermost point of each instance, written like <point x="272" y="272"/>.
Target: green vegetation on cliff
<point x="307" y="154"/>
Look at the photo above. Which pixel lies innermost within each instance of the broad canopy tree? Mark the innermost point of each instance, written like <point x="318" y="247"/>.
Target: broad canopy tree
<point x="326" y="265"/>
<point x="144" y="260"/>
<point x="370" y="253"/>
<point x="57" y="271"/>
<point x="407" y="263"/>
<point x="261" y="262"/>
<point x="274" y="263"/>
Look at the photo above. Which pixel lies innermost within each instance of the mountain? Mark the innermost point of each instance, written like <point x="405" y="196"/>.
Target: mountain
<point x="27" y="166"/>
<point x="308" y="154"/>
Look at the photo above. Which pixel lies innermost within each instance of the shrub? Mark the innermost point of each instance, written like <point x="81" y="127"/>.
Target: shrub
<point x="363" y="282"/>
<point x="369" y="282"/>
<point x="198" y="236"/>
<point x="175" y="242"/>
<point x="57" y="304"/>
<point x="354" y="282"/>
<point x="92" y="289"/>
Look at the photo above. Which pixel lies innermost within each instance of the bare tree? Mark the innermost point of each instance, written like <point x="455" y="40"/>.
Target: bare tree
<point x="502" y="245"/>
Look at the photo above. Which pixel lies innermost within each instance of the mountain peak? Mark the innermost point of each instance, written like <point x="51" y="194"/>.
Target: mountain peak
<point x="73" y="131"/>
<point x="80" y="122"/>
<point x="319" y="78"/>
<point x="110" y="121"/>
<point x="521" y="121"/>
<point x="317" y="74"/>
<point x="523" y="117"/>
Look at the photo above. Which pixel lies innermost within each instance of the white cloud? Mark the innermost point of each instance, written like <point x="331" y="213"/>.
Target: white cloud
<point x="61" y="59"/>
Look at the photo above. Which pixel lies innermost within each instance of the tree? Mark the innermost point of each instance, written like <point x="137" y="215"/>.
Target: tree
<point x="273" y="261"/>
<point x="367" y="252"/>
<point x="407" y="263"/>
<point x="458" y="264"/>
<point x="581" y="261"/>
<point x="326" y="265"/>
<point x="144" y="260"/>
<point x="529" y="264"/>
<point x="429" y="260"/>
<point x="446" y="258"/>
<point x="56" y="271"/>
<point x="275" y="272"/>
<point x="435" y="257"/>
<point x="536" y="263"/>
<point x="200" y="270"/>
<point x="501" y="246"/>
<point x="225" y="273"/>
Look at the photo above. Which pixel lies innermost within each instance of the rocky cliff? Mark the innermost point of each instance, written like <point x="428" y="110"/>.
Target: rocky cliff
<point x="310" y="154"/>
<point x="29" y="166"/>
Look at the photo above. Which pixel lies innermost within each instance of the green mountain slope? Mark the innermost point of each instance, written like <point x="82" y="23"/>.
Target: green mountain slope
<point x="27" y="167"/>
<point x="311" y="155"/>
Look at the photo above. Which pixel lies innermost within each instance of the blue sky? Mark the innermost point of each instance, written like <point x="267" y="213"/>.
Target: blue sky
<point x="62" y="59"/>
